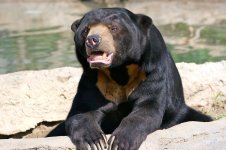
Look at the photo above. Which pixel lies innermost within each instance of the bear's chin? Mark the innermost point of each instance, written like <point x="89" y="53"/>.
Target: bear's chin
<point x="98" y="65"/>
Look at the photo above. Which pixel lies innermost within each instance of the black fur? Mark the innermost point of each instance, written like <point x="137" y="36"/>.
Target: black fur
<point x="157" y="103"/>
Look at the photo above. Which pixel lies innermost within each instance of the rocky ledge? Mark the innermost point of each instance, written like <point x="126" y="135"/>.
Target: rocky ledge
<point x="33" y="102"/>
<point x="186" y="136"/>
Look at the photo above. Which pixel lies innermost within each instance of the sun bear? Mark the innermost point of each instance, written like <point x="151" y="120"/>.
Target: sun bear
<point x="130" y="85"/>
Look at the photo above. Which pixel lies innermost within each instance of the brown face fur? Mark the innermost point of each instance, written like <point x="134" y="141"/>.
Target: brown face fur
<point x="100" y="55"/>
<point x="107" y="42"/>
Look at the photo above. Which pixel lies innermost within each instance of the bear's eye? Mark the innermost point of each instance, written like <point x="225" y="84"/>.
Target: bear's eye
<point x="85" y="31"/>
<point x="113" y="28"/>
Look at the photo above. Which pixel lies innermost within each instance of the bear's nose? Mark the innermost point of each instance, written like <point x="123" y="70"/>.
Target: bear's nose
<point x="93" y="41"/>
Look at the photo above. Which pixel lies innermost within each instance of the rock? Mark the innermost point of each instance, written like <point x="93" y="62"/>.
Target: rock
<point x="174" y="11"/>
<point x="189" y="135"/>
<point x="67" y="12"/>
<point x="32" y="98"/>
<point x="205" y="86"/>
<point x="194" y="12"/>
<point x="53" y="143"/>
<point x="186" y="136"/>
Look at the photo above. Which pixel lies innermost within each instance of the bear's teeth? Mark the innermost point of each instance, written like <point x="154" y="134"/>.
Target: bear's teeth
<point x="105" y="55"/>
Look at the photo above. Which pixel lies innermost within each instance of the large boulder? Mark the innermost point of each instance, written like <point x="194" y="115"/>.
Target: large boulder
<point x="186" y="136"/>
<point x="205" y="87"/>
<point x="31" y="98"/>
<point x="189" y="136"/>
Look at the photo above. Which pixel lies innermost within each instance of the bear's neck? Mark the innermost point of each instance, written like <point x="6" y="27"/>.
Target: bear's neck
<point x="116" y="84"/>
<point x="119" y="74"/>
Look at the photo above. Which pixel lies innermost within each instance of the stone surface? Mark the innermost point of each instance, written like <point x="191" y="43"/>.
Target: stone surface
<point x="29" y="98"/>
<point x="205" y="86"/>
<point x="189" y="136"/>
<point x="173" y="11"/>
<point x="162" y="11"/>
<point x="186" y="136"/>
<point x="53" y="143"/>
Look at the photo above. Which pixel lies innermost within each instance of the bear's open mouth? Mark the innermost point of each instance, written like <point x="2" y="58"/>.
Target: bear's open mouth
<point x="99" y="58"/>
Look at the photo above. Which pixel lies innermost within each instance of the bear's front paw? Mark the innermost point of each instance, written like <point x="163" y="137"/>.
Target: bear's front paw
<point x="125" y="140"/>
<point x="85" y="133"/>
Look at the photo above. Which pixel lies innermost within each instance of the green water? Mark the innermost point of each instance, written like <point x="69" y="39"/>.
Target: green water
<point x="36" y="51"/>
<point x="197" y="44"/>
<point x="50" y="47"/>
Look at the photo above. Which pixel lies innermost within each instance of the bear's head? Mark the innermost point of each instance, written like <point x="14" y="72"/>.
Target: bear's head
<point x="110" y="37"/>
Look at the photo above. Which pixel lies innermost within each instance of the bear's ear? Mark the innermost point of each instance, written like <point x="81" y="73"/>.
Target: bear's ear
<point x="144" y="21"/>
<point x="75" y="25"/>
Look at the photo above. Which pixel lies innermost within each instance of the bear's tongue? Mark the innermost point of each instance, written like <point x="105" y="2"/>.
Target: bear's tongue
<point x="99" y="58"/>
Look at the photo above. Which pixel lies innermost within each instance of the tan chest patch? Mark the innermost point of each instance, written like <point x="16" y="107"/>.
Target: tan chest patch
<point x="112" y="90"/>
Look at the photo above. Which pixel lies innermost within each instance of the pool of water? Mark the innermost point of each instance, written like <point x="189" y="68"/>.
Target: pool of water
<point x="32" y="37"/>
<point x="196" y="43"/>
<point x="52" y="47"/>
<point x="32" y="51"/>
